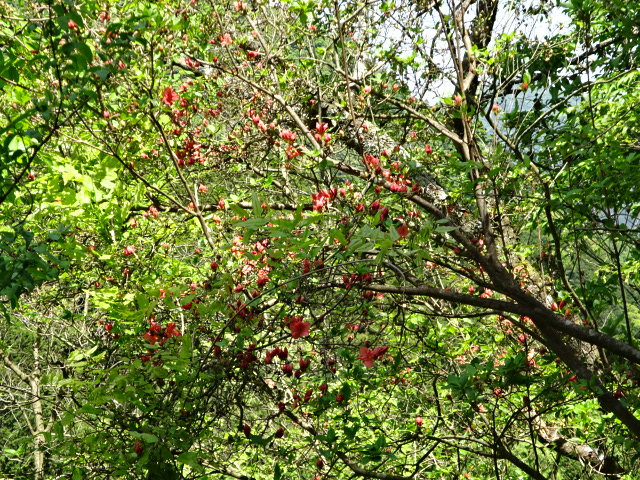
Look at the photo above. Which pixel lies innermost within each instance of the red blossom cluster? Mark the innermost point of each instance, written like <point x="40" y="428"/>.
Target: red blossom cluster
<point x="321" y="136"/>
<point x="247" y="357"/>
<point x="190" y="152"/>
<point x="157" y="333"/>
<point x="153" y="211"/>
<point x="240" y="6"/>
<point x="225" y="40"/>
<point x="191" y="63"/>
<point x="288" y="136"/>
<point x="398" y="187"/>
<point x="292" y="152"/>
<point x="257" y="121"/>
<point x="282" y="354"/>
<point x="373" y="163"/>
<point x="377" y="206"/>
<point x="350" y="280"/>
<point x="399" y="183"/>
<point x="241" y="311"/>
<point x="323" y="198"/>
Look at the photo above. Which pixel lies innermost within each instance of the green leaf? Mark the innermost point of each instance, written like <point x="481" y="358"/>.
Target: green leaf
<point x="191" y="459"/>
<point x="145" y="437"/>
<point x="186" y="350"/>
<point x="258" y="440"/>
<point x="256" y="204"/>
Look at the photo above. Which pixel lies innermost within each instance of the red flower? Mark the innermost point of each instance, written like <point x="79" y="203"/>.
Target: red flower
<point x="169" y="96"/>
<point x="71" y="24"/>
<point x="307" y="396"/>
<point x="403" y="230"/>
<point x="171" y="330"/>
<point x="138" y="447"/>
<point x="369" y="356"/>
<point x="288" y="135"/>
<point x="299" y="328"/>
<point x="304" y="364"/>
<point x="321" y="127"/>
<point x="151" y="338"/>
<point x="366" y="356"/>
<point x="225" y="40"/>
<point x="321" y="199"/>
<point x="379" y="351"/>
<point x="129" y="251"/>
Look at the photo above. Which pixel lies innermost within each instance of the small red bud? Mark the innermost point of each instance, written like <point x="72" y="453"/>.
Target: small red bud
<point x="138" y="448"/>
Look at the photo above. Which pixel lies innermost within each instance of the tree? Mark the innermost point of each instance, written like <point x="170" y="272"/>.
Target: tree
<point x="389" y="240"/>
